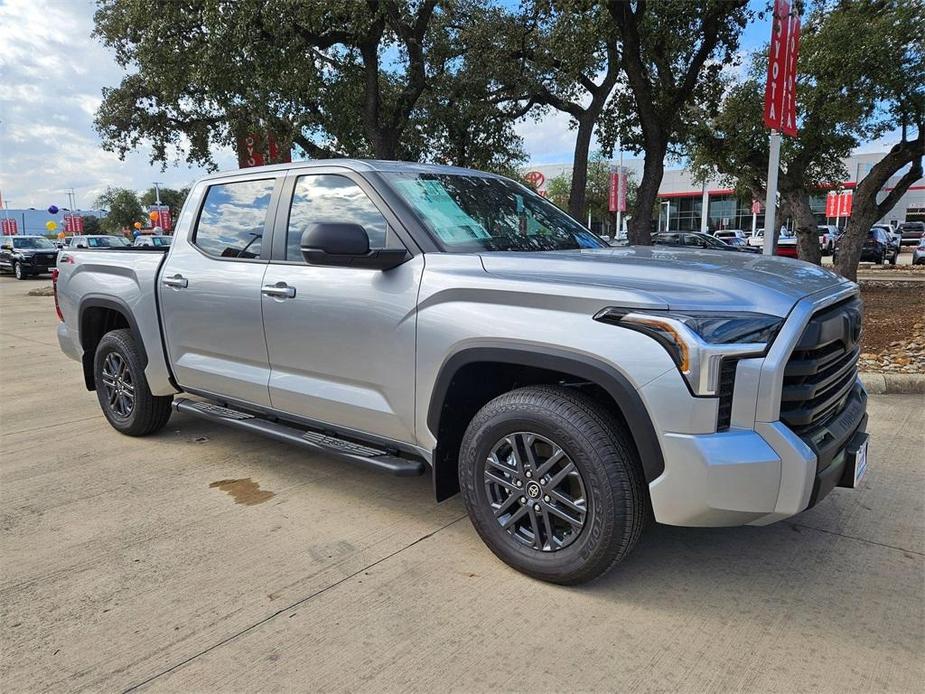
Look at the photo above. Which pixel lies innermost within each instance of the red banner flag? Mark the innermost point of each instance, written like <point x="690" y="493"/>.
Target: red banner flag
<point x="255" y="149"/>
<point x="780" y="87"/>
<point x="617" y="197"/>
<point x="73" y="223"/>
<point x="8" y="227"/>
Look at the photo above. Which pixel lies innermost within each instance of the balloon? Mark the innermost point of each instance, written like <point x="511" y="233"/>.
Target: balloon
<point x="157" y="231"/>
<point x="137" y="225"/>
<point x="53" y="209"/>
<point x="136" y="234"/>
<point x="61" y="234"/>
<point x="153" y="215"/>
<point x="50" y="225"/>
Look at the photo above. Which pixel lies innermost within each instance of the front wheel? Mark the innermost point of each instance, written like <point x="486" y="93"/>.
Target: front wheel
<point x="18" y="271"/>
<point x="122" y="389"/>
<point x="552" y="484"/>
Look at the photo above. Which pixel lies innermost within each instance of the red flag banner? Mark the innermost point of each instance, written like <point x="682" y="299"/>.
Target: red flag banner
<point x="780" y="87"/>
<point x="73" y="223"/>
<point x="8" y="227"/>
<point x="831" y="204"/>
<point x="617" y="196"/>
<point x="256" y="149"/>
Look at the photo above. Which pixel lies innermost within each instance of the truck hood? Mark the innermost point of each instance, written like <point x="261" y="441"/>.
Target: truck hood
<point x="674" y="278"/>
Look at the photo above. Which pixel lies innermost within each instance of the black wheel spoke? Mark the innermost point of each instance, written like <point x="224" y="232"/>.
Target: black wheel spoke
<point x="506" y="504"/>
<point x="574" y="522"/>
<point x="565" y="501"/>
<point x="501" y="481"/>
<point x="535" y="491"/>
<point x="514" y="517"/>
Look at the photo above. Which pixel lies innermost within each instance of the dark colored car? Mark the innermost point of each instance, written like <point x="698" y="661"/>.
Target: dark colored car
<point x="25" y="256"/>
<point x="878" y="248"/>
<point x="911" y="232"/>
<point x="691" y="239"/>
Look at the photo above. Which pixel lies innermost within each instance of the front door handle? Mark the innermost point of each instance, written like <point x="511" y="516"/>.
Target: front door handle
<point x="178" y="281"/>
<point x="280" y="290"/>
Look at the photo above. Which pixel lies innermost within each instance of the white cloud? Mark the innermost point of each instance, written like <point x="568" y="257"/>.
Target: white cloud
<point x="51" y="78"/>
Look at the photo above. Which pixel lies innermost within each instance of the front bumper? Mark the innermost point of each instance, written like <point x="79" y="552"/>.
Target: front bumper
<point x="760" y="470"/>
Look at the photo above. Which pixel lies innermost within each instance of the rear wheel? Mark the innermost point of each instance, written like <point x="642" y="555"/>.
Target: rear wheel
<point x="552" y="483"/>
<point x="122" y="389"/>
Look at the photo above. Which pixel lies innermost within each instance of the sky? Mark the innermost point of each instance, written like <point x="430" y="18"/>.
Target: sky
<point x="51" y="78"/>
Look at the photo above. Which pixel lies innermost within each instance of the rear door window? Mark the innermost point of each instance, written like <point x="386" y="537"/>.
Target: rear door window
<point x="233" y="219"/>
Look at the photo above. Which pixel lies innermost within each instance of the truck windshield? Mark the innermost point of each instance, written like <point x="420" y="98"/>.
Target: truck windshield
<point x="32" y="242"/>
<point x="480" y="213"/>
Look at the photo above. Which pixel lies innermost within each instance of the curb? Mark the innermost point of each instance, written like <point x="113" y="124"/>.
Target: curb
<point x="893" y="384"/>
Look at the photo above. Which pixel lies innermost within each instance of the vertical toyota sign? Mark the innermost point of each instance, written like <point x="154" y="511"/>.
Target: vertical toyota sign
<point x="780" y="89"/>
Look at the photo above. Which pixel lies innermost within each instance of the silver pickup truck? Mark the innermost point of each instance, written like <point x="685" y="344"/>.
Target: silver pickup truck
<point x="415" y="318"/>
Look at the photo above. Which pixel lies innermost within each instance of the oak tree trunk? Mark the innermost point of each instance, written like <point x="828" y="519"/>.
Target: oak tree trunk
<point x="578" y="192"/>
<point x="639" y="229"/>
<point x="807" y="229"/>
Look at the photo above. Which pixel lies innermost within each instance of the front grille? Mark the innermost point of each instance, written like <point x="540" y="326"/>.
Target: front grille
<point x="727" y="379"/>
<point x="822" y="370"/>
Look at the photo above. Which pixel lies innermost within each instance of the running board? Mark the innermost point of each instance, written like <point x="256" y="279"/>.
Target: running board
<point x="314" y="441"/>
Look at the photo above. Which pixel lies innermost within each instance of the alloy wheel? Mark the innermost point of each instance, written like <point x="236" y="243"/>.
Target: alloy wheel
<point x="117" y="380"/>
<point x="535" y="491"/>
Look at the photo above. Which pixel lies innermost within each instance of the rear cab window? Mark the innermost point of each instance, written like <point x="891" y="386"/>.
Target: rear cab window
<point x="233" y="218"/>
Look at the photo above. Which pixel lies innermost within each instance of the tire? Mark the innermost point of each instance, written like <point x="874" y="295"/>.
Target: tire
<point x="118" y="373"/>
<point x="893" y="258"/>
<point x="545" y="420"/>
<point x="19" y="272"/>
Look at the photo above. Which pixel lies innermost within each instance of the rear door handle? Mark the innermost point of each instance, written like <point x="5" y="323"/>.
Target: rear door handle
<point x="280" y="290"/>
<point x="178" y="281"/>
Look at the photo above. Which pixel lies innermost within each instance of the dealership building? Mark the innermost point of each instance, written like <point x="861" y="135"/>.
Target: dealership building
<point x="688" y="205"/>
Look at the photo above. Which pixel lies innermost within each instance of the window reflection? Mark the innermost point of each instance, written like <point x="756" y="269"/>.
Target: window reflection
<point x="233" y="217"/>
<point x="331" y="198"/>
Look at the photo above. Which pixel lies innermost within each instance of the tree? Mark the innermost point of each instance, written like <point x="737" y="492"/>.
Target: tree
<point x="598" y="189"/>
<point x="91" y="224"/>
<point x="673" y="52"/>
<point x="845" y="96"/>
<point x="174" y="199"/>
<point x="122" y="210"/>
<point x="335" y="79"/>
<point x="887" y="58"/>
<point x="559" y="54"/>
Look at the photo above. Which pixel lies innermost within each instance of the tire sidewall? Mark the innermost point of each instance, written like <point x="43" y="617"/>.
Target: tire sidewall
<point x="601" y="517"/>
<point x="18" y="271"/>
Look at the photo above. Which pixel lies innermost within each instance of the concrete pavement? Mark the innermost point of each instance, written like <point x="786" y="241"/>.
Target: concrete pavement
<point x="130" y="564"/>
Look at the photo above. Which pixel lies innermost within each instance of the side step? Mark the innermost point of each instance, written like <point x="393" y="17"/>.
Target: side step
<point x="314" y="441"/>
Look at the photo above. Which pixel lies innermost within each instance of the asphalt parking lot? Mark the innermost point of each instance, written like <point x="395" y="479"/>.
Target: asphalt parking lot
<point x="203" y="559"/>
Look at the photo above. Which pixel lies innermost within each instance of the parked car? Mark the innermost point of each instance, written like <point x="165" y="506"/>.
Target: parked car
<point x="98" y="241"/>
<point x="414" y="318"/>
<point x="918" y="255"/>
<point x="828" y="236"/>
<point x="693" y="239"/>
<point x="26" y="256"/>
<point x="895" y="235"/>
<point x="911" y="232"/>
<point x="154" y="240"/>
<point x="787" y="244"/>
<point x="756" y="239"/>
<point x="878" y="247"/>
<point x="727" y="234"/>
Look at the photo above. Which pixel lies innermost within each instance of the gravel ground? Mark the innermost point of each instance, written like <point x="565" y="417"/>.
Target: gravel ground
<point x="894" y="327"/>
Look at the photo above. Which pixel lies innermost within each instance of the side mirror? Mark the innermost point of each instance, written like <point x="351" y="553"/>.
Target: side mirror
<point x="339" y="244"/>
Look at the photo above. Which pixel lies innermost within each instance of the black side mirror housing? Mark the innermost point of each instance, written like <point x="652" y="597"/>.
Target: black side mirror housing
<point x="339" y="244"/>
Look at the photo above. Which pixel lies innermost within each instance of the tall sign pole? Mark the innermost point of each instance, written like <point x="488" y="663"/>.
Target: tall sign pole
<point x="779" y="104"/>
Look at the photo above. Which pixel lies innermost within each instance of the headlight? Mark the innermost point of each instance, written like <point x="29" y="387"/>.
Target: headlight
<point x="698" y="341"/>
